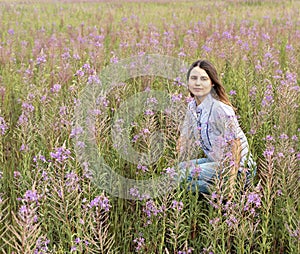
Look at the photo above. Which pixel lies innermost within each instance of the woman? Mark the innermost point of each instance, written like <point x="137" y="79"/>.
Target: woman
<point x="211" y="124"/>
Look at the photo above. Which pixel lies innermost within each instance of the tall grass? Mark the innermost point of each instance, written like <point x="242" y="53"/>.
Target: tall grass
<point x="50" y="51"/>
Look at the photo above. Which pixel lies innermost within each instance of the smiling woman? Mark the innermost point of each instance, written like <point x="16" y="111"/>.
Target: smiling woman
<point x="211" y="124"/>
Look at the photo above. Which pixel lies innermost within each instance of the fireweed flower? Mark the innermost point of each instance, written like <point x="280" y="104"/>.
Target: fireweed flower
<point x="77" y="240"/>
<point x="232" y="92"/>
<point x="3" y="126"/>
<point x="31" y="196"/>
<point x="176" y="97"/>
<point x="170" y="171"/>
<point x="143" y="168"/>
<point x="93" y="79"/>
<point x="24" y="147"/>
<point x="27" y="109"/>
<point x="253" y="202"/>
<point x="11" y="31"/>
<point x="269" y="152"/>
<point x="72" y="181"/>
<point x="214" y="221"/>
<point x="100" y="201"/>
<point x="102" y="101"/>
<point x="196" y="171"/>
<point x="73" y="249"/>
<point x="189" y="250"/>
<point x="134" y="192"/>
<point x="41" y="245"/>
<point x="140" y="242"/>
<point x="76" y="131"/>
<point x="41" y="59"/>
<point x="151" y="101"/>
<point x="231" y="221"/>
<point x="151" y="209"/>
<point x="149" y="112"/>
<point x="56" y="88"/>
<point x="283" y="136"/>
<point x="177" y="206"/>
<point x="60" y="155"/>
<point x="178" y="82"/>
<point x="17" y="174"/>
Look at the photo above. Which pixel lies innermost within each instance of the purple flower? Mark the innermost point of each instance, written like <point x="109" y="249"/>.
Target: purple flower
<point x="77" y="240"/>
<point x="176" y="97"/>
<point x="100" y="201"/>
<point x="177" y="205"/>
<point x="170" y="171"/>
<point x="17" y="174"/>
<point x="145" y="131"/>
<point x="151" y="209"/>
<point x="41" y="245"/>
<point x="3" y="126"/>
<point x="214" y="221"/>
<point x="86" y="66"/>
<point x="79" y="73"/>
<point x="143" y="168"/>
<point x="231" y="221"/>
<point x="196" y="171"/>
<point x="27" y="107"/>
<point x="252" y="199"/>
<point x="23" y="210"/>
<point x="181" y="53"/>
<point x="149" y="112"/>
<point x="56" y="88"/>
<point x="134" y="192"/>
<point x="73" y="248"/>
<point x="31" y="196"/>
<point x="41" y="59"/>
<point x="206" y="48"/>
<point x="11" y="31"/>
<point x="76" y="131"/>
<point x="232" y="92"/>
<point x="135" y="138"/>
<point x="269" y="152"/>
<point x="214" y="196"/>
<point x="140" y="243"/>
<point x="61" y="154"/>
<point x="151" y="100"/>
<point x="72" y="181"/>
<point x="93" y="79"/>
<point x="268" y="55"/>
<point x="269" y="137"/>
<point x="283" y="136"/>
<point x="24" y="147"/>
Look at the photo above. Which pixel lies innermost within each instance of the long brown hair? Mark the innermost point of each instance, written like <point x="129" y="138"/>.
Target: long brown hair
<point x="213" y="75"/>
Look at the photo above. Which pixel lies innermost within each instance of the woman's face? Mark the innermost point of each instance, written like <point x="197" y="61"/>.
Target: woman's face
<point x="200" y="84"/>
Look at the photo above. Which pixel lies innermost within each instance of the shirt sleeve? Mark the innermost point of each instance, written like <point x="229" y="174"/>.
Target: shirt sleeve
<point x="226" y="123"/>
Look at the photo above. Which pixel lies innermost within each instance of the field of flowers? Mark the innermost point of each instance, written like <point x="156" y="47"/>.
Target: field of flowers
<point x="51" y="51"/>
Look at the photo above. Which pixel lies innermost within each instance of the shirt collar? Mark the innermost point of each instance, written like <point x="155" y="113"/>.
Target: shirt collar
<point x="204" y="105"/>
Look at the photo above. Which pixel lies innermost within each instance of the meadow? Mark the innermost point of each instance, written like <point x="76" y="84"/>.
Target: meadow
<point x="51" y="51"/>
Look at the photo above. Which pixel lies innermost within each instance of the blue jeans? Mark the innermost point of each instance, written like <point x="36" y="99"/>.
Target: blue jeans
<point x="202" y="178"/>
